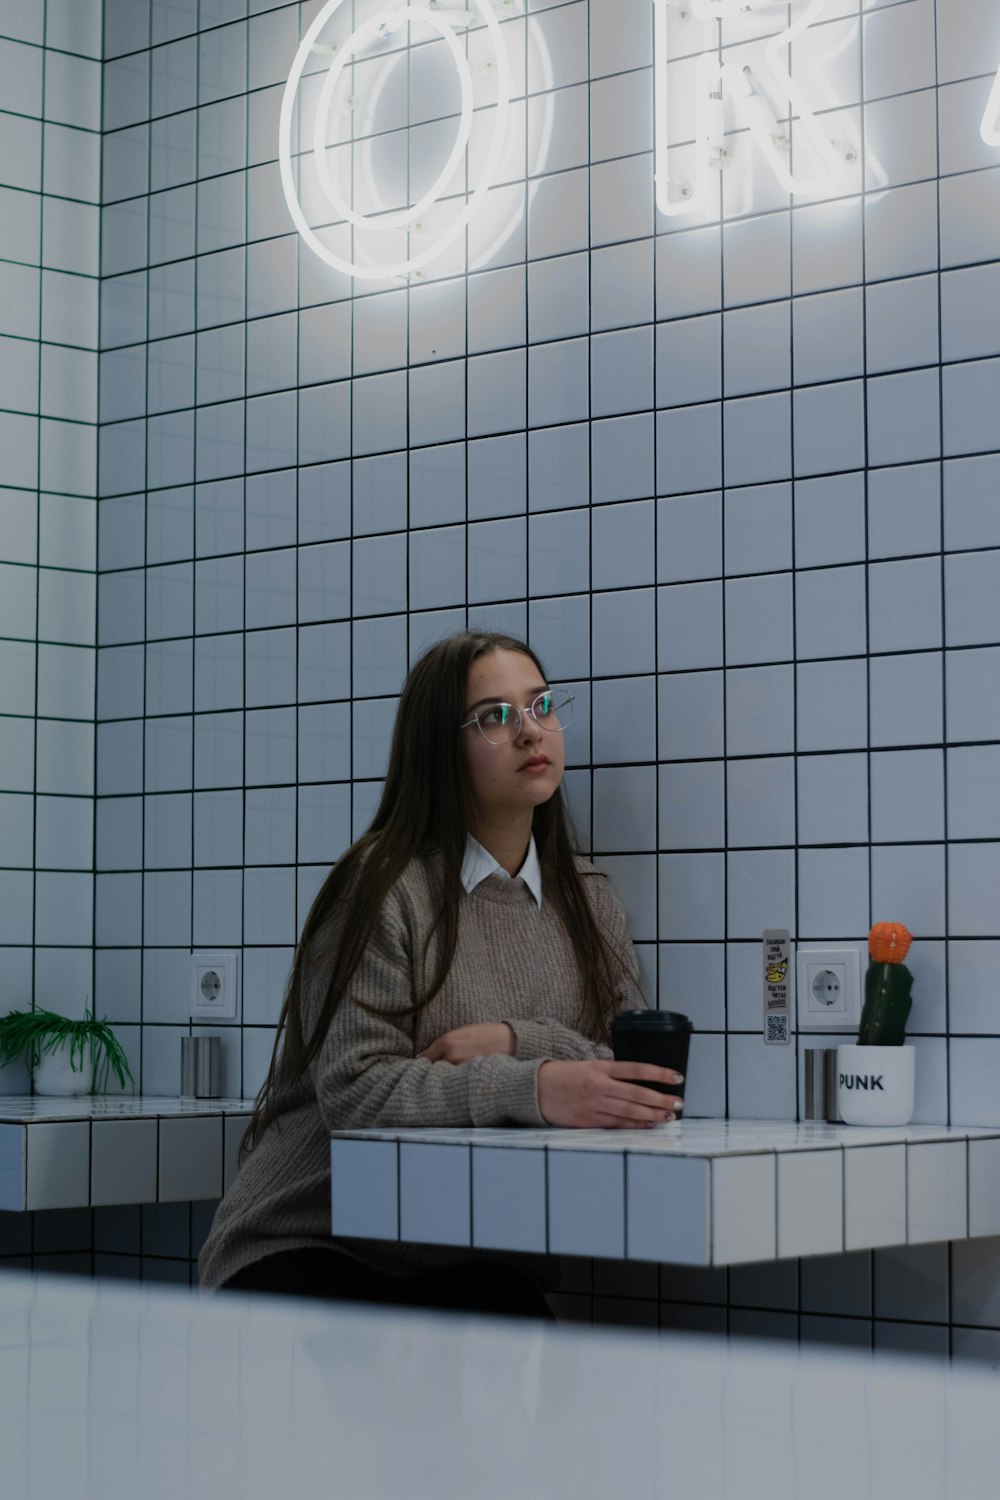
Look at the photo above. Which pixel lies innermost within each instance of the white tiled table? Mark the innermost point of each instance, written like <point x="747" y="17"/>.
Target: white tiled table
<point x="110" y="1391"/>
<point x="698" y="1192"/>
<point x="98" y="1150"/>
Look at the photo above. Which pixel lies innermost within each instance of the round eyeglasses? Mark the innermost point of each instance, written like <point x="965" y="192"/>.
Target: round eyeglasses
<point x="502" y="723"/>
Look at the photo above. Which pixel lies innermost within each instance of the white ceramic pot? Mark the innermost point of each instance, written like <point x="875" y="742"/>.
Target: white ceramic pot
<point x="875" y="1085"/>
<point x="54" y="1075"/>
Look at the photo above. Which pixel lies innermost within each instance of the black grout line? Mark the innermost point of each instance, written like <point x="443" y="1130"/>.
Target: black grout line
<point x="299" y="916"/>
<point x="741" y="131"/>
<point x="243" y="653"/>
<point x="145" y="655"/>
<point x="866" y="438"/>
<point x="879" y="375"/>
<point x="659" y="986"/>
<point x="944" y="628"/>
<point x="796" y="1035"/>
<point x="618" y="589"/>
<point x="38" y="560"/>
<point x="591" y="840"/>
<point x="95" y="802"/>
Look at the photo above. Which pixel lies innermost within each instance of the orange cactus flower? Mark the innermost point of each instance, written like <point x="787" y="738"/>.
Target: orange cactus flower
<point x="889" y="942"/>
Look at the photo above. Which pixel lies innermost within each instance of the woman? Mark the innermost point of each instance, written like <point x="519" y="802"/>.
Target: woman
<point x="459" y="966"/>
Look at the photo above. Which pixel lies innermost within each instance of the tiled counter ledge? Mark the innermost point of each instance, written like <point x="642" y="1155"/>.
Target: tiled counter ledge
<point x="97" y="1150"/>
<point x="699" y="1192"/>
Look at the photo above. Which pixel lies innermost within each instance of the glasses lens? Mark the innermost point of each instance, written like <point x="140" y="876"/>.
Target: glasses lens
<point x="553" y="710"/>
<point x="499" y="723"/>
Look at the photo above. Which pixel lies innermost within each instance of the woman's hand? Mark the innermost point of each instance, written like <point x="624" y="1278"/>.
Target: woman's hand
<point x="470" y="1041"/>
<point x="608" y="1094"/>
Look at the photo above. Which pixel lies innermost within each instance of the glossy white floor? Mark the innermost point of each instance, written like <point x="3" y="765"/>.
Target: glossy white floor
<point x="113" y="1392"/>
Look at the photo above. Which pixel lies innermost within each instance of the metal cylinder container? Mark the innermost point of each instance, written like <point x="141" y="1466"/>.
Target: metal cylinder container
<point x="201" y="1067"/>
<point x="821" y="1084"/>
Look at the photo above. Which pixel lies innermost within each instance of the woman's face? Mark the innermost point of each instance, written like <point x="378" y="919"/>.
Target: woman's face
<point x="507" y="780"/>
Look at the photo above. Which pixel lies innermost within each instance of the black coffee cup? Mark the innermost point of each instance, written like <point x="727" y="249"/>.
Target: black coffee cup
<point x="653" y="1036"/>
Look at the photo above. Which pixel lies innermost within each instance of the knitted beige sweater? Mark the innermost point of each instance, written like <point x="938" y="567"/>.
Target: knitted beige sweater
<point x="513" y="963"/>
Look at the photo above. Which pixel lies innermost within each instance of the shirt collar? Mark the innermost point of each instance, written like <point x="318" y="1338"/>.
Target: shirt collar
<point x="479" y="863"/>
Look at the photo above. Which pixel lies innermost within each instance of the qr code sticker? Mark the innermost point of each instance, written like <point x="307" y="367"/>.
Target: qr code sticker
<point x="777" y="1028"/>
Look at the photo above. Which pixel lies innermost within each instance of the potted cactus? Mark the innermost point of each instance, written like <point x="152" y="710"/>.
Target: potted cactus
<point x="875" y="1075"/>
<point x="887" y="987"/>
<point x="66" y="1057"/>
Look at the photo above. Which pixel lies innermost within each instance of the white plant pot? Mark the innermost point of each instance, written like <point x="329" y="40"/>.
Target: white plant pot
<point x="875" y="1085"/>
<point x="53" y="1074"/>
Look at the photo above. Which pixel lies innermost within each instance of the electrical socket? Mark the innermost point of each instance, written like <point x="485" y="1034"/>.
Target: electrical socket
<point x="215" y="986"/>
<point x="828" y="989"/>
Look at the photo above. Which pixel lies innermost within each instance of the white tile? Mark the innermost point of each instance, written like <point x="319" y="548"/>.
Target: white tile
<point x="765" y="1283"/>
<point x="972" y="1063"/>
<point x="435" y="1194"/>
<point x="508" y="1199"/>
<point x="810" y="1203"/>
<point x="123" y="1161"/>
<point x="837" y="1285"/>
<point x="970" y="38"/>
<point x="705" y="1092"/>
<point x="984" y="1187"/>
<point x="59" y="1165"/>
<point x="936" y="1200"/>
<point x="364" y="1186"/>
<point x="13" y="1149"/>
<point x="744" y="1209"/>
<point x="587" y="1203"/>
<point x="972" y="879"/>
<point x="972" y="971"/>
<point x="667" y="1211"/>
<point x="874" y="1196"/>
<point x="911" y="1281"/>
<point x="899" y="49"/>
<point x="931" y="1065"/>
<point x="761" y="1079"/>
<point x="975" y="1283"/>
<point x="190" y="1159"/>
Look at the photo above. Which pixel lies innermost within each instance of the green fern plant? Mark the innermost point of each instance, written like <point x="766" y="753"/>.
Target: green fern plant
<point x="34" y="1032"/>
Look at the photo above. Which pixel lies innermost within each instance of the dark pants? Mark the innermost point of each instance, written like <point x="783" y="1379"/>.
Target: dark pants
<point x="472" y="1286"/>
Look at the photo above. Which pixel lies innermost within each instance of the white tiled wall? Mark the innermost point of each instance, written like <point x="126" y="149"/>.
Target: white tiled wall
<point x="734" y="475"/>
<point x="50" y="176"/>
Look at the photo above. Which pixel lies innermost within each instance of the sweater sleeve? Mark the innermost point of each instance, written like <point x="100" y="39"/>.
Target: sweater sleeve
<point x="550" y="1040"/>
<point x="366" y="1075"/>
<point x="542" y="1037"/>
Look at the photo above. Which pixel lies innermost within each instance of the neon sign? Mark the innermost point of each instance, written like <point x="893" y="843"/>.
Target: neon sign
<point x="380" y="239"/>
<point x="826" y="168"/>
<point x="380" y="243"/>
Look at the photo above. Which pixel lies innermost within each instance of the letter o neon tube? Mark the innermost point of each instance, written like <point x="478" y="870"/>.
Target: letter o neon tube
<point x="360" y="38"/>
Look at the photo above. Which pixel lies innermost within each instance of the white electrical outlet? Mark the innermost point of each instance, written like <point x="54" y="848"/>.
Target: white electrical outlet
<point x="215" y="986"/>
<point x="828" y="989"/>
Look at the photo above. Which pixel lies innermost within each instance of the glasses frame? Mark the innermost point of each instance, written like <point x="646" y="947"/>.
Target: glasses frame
<point x="520" y="713"/>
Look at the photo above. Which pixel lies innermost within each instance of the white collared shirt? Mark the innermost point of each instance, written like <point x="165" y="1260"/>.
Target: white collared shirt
<point x="479" y="863"/>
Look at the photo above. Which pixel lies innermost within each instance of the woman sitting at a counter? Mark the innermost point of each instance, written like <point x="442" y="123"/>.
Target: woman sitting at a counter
<point x="459" y="966"/>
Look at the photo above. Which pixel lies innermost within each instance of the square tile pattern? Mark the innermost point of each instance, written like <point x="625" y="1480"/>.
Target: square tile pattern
<point x="734" y="476"/>
<point x="95" y="1152"/>
<point x="705" y="1193"/>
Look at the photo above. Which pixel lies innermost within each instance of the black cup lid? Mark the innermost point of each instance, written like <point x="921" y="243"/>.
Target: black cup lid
<point x="651" y="1020"/>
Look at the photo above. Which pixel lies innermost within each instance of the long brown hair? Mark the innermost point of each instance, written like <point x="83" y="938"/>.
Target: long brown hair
<point x="425" y="808"/>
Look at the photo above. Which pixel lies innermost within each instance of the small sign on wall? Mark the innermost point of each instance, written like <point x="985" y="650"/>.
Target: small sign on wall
<point x="776" y="950"/>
